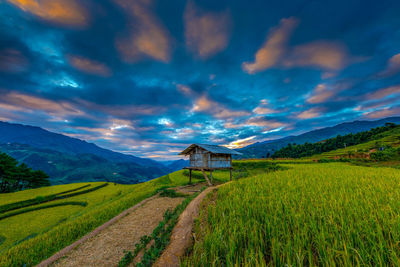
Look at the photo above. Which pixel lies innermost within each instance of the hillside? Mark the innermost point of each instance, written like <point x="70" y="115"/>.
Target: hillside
<point x="388" y="142"/>
<point x="260" y="150"/>
<point x="176" y="165"/>
<point x="68" y="159"/>
<point x="51" y="218"/>
<point x="340" y="141"/>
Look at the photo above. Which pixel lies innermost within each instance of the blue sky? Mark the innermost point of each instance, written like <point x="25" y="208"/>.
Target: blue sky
<point x="149" y="77"/>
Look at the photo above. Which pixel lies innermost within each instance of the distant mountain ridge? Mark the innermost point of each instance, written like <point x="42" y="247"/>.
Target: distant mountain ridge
<point x="37" y="147"/>
<point x="262" y="149"/>
<point x="176" y="165"/>
<point x="41" y="138"/>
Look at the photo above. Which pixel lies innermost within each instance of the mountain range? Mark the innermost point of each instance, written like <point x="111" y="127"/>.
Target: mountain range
<point x="68" y="159"/>
<point x="267" y="148"/>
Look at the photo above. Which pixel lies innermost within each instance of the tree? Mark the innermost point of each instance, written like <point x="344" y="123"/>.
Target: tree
<point x="14" y="177"/>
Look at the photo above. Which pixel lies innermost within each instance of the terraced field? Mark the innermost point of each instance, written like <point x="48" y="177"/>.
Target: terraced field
<point x="34" y="224"/>
<point x="390" y="138"/>
<point x="311" y="214"/>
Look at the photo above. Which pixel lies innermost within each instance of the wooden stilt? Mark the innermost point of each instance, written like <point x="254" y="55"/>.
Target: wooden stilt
<point x="190" y="176"/>
<point x="230" y="170"/>
<point x="205" y="177"/>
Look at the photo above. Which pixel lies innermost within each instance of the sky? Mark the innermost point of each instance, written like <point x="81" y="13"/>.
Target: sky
<point x="149" y="77"/>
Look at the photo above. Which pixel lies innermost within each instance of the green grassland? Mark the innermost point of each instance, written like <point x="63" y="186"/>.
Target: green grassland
<point x="33" y="236"/>
<point x="310" y="214"/>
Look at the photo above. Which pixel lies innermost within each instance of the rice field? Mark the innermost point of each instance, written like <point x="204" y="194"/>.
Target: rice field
<point x="31" y="237"/>
<point x="28" y="238"/>
<point x="310" y="214"/>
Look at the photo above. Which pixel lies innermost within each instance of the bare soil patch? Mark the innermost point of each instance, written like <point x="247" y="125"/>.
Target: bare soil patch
<point x="181" y="237"/>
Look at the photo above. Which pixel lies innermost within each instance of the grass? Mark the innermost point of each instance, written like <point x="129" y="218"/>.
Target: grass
<point x="21" y="211"/>
<point x="43" y="199"/>
<point x="34" y="236"/>
<point x="310" y="214"/>
<point x="7" y="198"/>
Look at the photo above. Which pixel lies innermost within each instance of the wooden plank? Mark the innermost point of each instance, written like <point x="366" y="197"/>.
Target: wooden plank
<point x="190" y="176"/>
<point x="205" y="176"/>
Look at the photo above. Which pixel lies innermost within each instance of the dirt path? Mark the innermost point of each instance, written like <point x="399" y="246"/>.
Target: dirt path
<point x="181" y="237"/>
<point x="107" y="247"/>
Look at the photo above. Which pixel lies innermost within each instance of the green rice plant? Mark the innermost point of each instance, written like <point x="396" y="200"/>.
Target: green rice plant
<point x="6" y="198"/>
<point x="57" y="227"/>
<point x="21" y="211"/>
<point x="39" y="199"/>
<point x="330" y="214"/>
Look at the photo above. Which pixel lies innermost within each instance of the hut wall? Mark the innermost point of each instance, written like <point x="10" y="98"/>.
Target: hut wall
<point x="199" y="158"/>
<point x="220" y="161"/>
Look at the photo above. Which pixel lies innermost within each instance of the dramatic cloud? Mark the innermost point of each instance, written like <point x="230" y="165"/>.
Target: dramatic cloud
<point x="89" y="66"/>
<point x="323" y="54"/>
<point x="149" y="77"/>
<point x="12" y="60"/>
<point x="382" y="93"/>
<point x="320" y="94"/>
<point x="147" y="36"/>
<point x="204" y="104"/>
<point x="241" y="142"/>
<point x="263" y="108"/>
<point x="30" y="103"/>
<point x="65" y="12"/>
<point x="274" y="47"/>
<point x="327" y="55"/>
<point x="385" y="112"/>
<point x="393" y="66"/>
<point x="309" y="114"/>
<point x="206" y="33"/>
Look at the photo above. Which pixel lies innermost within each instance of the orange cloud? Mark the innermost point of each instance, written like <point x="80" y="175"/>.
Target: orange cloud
<point x="257" y="122"/>
<point x="320" y="94"/>
<point x="65" y="12"/>
<point x="89" y="66"/>
<point x="309" y="114"/>
<point x="203" y="104"/>
<point x="393" y="66"/>
<point x="241" y="142"/>
<point x="274" y="47"/>
<point x="123" y="111"/>
<point x="324" y="54"/>
<point x="262" y="122"/>
<point x="147" y="35"/>
<point x="386" y="112"/>
<point x="327" y="55"/>
<point x="206" y="33"/>
<point x="263" y="108"/>
<point x="27" y="102"/>
<point x="392" y="90"/>
<point x="186" y="90"/>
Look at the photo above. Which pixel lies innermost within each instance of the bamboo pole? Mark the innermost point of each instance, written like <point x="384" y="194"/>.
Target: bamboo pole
<point x="205" y="176"/>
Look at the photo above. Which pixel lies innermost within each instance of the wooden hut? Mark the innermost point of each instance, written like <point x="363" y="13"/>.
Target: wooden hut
<point x="208" y="158"/>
